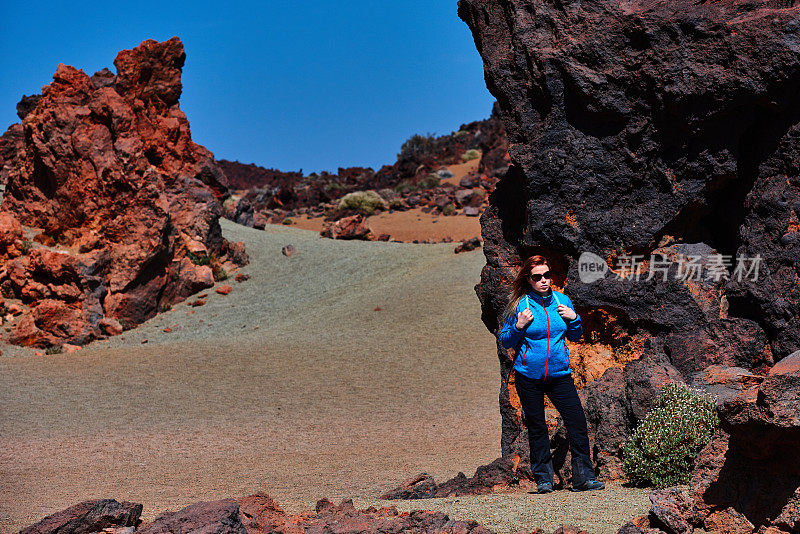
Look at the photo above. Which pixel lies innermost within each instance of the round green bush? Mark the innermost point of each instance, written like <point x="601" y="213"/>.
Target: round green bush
<point x="470" y="154"/>
<point x="365" y="202"/>
<point x="663" y="448"/>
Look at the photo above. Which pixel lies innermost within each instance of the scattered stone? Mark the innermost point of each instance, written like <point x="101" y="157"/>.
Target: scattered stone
<point x="168" y="330"/>
<point x="224" y="289"/>
<point x="288" y="250"/>
<point x="352" y="227"/>
<point x="472" y="211"/>
<point x="110" y="327"/>
<point x="66" y="347"/>
<point x="468" y="245"/>
<point x="241" y="277"/>
<point x="196" y="303"/>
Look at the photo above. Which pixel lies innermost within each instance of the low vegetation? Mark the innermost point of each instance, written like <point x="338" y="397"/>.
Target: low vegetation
<point x="364" y="202"/>
<point x="663" y="448"/>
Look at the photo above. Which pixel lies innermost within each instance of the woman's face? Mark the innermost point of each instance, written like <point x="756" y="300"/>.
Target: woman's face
<point x="542" y="285"/>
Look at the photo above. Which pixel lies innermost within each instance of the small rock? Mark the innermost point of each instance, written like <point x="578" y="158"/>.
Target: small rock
<point x="224" y="289"/>
<point x="167" y="330"/>
<point x="377" y="308"/>
<point x="66" y="347"/>
<point x="196" y="303"/>
<point x="470" y="244"/>
<point x="288" y="250"/>
<point x="472" y="211"/>
<point x="144" y="341"/>
<point x="110" y="326"/>
<point x="241" y="277"/>
<point x="467" y="181"/>
<point x="15" y="309"/>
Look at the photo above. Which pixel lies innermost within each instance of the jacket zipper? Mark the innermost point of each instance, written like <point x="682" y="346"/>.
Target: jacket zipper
<point x="548" y="339"/>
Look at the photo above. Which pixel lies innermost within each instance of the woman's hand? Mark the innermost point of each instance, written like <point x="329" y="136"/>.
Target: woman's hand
<point x="524" y="318"/>
<point x="567" y="313"/>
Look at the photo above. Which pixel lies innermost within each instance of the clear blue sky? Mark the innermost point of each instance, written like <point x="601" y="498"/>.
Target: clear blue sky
<point x="290" y="84"/>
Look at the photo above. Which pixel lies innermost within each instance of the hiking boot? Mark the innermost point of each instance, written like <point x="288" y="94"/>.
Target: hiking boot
<point x="544" y="487"/>
<point x="588" y="485"/>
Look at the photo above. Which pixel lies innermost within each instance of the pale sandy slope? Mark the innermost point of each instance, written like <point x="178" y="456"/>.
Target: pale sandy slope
<point x="292" y="385"/>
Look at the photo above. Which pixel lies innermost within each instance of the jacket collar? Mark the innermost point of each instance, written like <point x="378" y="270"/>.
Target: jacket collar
<point x="546" y="300"/>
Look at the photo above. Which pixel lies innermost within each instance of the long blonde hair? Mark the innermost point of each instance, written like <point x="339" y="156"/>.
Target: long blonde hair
<point x="520" y="285"/>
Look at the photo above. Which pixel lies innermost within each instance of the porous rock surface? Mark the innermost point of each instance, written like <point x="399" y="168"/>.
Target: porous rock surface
<point x="253" y="514"/>
<point x="647" y="128"/>
<point x="123" y="207"/>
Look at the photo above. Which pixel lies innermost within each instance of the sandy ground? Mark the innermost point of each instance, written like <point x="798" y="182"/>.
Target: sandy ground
<point x="415" y="224"/>
<point x="293" y="384"/>
<point x="406" y="226"/>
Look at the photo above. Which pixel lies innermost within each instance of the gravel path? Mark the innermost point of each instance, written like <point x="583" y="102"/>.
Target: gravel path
<point x="293" y="384"/>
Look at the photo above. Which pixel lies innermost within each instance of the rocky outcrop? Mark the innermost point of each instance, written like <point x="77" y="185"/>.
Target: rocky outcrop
<point x="122" y="206"/>
<point x="418" y="179"/>
<point x="500" y="474"/>
<point x="251" y="176"/>
<point x="89" y="516"/>
<point x="254" y="514"/>
<point x="660" y="129"/>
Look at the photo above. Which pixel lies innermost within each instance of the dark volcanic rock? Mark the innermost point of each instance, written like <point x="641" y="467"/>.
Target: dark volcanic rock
<point x="329" y="518"/>
<point x="217" y="517"/>
<point x="501" y="473"/>
<point x="106" y="167"/>
<point x="649" y="128"/>
<point x="88" y="517"/>
<point x="255" y="514"/>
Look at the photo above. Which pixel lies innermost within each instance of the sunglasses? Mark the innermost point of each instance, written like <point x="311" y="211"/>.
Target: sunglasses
<point x="537" y="277"/>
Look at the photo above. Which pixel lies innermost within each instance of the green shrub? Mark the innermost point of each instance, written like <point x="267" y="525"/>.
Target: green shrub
<point x="199" y="259"/>
<point x="25" y="246"/>
<point x="53" y="350"/>
<point x="334" y="186"/>
<point x="430" y="181"/>
<point x="219" y="272"/>
<point x="365" y="202"/>
<point x="471" y="154"/>
<point x="165" y="307"/>
<point x="403" y="186"/>
<point x="418" y="145"/>
<point x="662" y="450"/>
<point x="450" y="209"/>
<point x="287" y="221"/>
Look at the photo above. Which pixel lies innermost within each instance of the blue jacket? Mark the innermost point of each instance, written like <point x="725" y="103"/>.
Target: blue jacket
<point x="541" y="351"/>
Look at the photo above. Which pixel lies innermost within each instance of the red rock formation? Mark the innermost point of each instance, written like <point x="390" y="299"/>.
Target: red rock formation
<point x="352" y="227"/>
<point x="254" y="514"/>
<point x="106" y="168"/>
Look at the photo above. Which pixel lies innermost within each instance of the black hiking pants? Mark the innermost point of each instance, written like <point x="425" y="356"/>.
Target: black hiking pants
<point x="562" y="393"/>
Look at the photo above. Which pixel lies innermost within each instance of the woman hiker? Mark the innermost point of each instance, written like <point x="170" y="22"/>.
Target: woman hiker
<point x="536" y="322"/>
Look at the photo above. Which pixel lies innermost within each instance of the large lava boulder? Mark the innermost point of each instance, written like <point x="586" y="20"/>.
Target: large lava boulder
<point x="642" y="128"/>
